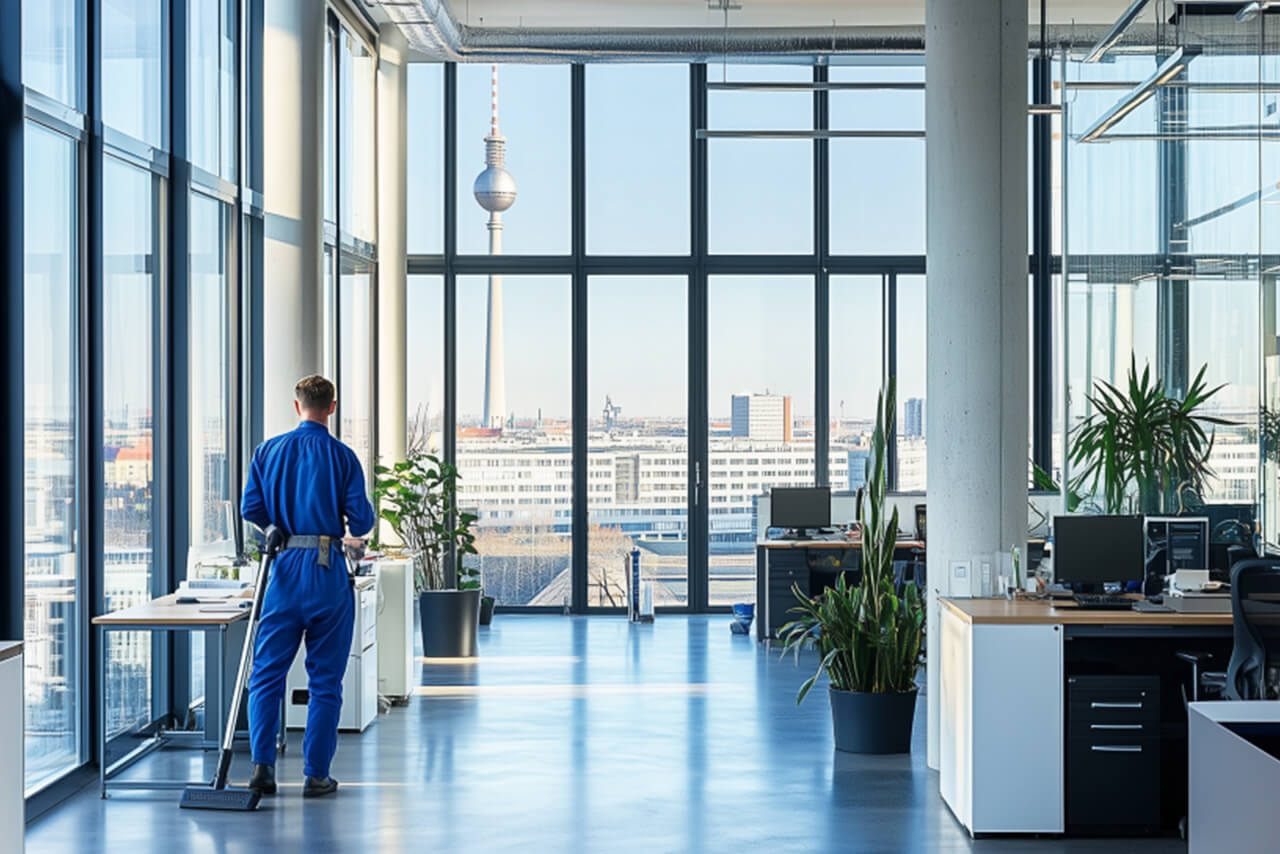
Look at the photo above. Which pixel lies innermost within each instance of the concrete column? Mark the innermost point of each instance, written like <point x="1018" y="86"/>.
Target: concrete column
<point x="393" y="79"/>
<point x="293" y="195"/>
<point x="976" y="170"/>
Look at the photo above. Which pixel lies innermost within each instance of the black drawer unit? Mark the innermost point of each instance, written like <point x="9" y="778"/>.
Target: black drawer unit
<point x="1113" y="754"/>
<point x="786" y="567"/>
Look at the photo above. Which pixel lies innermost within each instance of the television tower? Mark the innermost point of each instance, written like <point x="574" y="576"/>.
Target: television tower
<point x="495" y="191"/>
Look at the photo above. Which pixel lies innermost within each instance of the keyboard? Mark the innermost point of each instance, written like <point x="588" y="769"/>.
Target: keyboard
<point x="1102" y="602"/>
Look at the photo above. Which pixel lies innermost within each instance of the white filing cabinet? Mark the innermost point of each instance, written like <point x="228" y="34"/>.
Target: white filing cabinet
<point x="12" y="806"/>
<point x="1001" y="747"/>
<point x="395" y="628"/>
<point x="360" y="683"/>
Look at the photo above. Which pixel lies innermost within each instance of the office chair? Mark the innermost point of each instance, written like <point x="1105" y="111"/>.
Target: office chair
<point x="1253" y="673"/>
<point x="909" y="570"/>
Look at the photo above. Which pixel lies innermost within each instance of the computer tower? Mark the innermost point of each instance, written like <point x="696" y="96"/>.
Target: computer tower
<point x="1173" y="543"/>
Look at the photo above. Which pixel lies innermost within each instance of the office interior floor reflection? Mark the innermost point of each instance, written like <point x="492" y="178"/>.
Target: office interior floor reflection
<point x="582" y="734"/>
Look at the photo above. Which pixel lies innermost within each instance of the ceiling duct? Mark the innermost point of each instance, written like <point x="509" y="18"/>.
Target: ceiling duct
<point x="434" y="33"/>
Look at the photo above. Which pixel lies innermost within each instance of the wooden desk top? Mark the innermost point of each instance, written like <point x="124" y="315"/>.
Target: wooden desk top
<point x="831" y="544"/>
<point x="1044" y="612"/>
<point x="10" y="649"/>
<point x="166" y="612"/>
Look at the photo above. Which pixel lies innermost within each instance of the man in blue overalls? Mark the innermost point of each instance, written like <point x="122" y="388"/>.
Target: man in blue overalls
<point x="311" y="487"/>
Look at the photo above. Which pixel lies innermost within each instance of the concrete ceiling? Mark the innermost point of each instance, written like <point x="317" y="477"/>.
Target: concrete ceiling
<point x="625" y="14"/>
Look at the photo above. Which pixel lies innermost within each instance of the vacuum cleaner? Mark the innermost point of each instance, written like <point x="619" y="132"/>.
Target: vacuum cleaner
<point x="218" y="796"/>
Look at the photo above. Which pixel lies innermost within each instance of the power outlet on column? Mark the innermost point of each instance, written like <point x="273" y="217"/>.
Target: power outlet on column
<point x="961" y="578"/>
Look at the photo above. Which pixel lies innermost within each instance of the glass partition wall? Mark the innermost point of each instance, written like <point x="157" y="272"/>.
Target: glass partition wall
<point x="1170" y="224"/>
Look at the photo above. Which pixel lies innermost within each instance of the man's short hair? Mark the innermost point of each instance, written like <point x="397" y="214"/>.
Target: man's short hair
<point x="314" y="393"/>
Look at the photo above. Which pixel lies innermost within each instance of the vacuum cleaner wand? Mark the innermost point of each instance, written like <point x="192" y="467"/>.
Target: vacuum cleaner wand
<point x="218" y="796"/>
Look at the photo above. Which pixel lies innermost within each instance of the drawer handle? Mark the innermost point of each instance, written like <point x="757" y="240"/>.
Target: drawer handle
<point x="1102" y="705"/>
<point x="1115" y="726"/>
<point x="1116" y="748"/>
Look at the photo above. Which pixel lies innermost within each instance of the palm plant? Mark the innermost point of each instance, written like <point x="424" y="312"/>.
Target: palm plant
<point x="418" y="498"/>
<point x="868" y="635"/>
<point x="1144" y="445"/>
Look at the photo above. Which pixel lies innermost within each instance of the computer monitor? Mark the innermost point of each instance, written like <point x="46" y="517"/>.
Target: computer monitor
<point x="1092" y="550"/>
<point x="798" y="508"/>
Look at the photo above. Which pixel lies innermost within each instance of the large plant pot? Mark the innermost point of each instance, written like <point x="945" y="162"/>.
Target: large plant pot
<point x="449" y="621"/>
<point x="872" y="723"/>
<point x="486" y="609"/>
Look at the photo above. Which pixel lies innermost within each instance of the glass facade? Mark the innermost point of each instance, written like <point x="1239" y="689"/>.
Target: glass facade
<point x="114" y="366"/>
<point x="705" y="271"/>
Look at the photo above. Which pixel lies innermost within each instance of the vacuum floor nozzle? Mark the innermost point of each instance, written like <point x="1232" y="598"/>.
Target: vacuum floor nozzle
<point x="220" y="799"/>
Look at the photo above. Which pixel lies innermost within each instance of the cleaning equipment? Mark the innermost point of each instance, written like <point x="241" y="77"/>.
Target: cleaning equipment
<point x="218" y="796"/>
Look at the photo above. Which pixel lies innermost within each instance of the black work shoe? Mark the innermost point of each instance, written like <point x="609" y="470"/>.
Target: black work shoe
<point x="263" y="780"/>
<point x="315" y="787"/>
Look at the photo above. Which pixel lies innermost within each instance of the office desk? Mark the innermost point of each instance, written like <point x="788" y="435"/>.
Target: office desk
<point x="1007" y="739"/>
<point x="811" y="564"/>
<point x="224" y="638"/>
<point x="12" y="804"/>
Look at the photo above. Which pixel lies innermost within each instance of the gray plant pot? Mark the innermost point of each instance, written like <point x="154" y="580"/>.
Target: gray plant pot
<point x="872" y="723"/>
<point x="486" y="609"/>
<point x="449" y="621"/>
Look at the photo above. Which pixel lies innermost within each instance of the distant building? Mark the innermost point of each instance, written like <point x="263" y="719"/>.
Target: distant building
<point x="858" y="467"/>
<point x="913" y="416"/>
<point x="761" y="417"/>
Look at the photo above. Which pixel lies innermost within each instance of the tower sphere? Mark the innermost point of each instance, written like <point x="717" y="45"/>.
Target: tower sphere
<point x="495" y="189"/>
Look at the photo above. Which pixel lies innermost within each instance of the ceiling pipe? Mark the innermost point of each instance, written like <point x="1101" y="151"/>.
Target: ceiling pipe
<point x="434" y="33"/>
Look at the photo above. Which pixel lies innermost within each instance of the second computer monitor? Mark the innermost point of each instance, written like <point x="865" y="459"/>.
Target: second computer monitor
<point x="799" y="508"/>
<point x="1093" y="550"/>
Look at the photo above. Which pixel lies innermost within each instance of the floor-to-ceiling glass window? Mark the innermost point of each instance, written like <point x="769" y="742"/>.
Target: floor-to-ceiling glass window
<point x="515" y="433"/>
<point x="760" y="382"/>
<point x="637" y="438"/>
<point x="53" y="615"/>
<point x="128" y="401"/>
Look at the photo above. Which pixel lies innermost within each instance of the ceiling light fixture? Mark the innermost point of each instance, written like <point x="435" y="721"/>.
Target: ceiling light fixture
<point x="1169" y="69"/>
<point x="1250" y="10"/>
<point x="1117" y="32"/>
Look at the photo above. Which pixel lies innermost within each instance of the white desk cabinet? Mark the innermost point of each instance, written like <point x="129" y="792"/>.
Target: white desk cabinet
<point x="395" y="628"/>
<point x="12" y="806"/>
<point x="359" y="684"/>
<point x="1001" y="759"/>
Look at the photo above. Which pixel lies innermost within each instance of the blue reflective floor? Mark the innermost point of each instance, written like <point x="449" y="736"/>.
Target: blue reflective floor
<point x="572" y="735"/>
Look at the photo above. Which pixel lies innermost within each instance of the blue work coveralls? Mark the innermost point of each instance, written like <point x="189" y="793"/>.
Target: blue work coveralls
<point x="304" y="482"/>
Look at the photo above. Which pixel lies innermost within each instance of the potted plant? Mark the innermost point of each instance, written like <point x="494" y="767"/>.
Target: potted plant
<point x="417" y="497"/>
<point x="1143" y="449"/>
<point x="868" y="635"/>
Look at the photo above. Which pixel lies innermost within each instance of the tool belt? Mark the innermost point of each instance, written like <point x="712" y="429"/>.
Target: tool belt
<point x="322" y="543"/>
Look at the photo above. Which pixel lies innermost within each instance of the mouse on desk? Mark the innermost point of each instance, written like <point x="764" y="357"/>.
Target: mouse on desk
<point x="1156" y="598"/>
